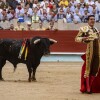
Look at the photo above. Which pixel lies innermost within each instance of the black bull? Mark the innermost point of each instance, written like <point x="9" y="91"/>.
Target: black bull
<point x="37" y="47"/>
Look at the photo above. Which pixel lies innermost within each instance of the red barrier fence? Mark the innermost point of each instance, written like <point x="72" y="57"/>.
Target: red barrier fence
<point x="66" y="39"/>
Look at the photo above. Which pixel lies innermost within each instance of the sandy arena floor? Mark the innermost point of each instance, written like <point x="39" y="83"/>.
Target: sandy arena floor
<point x="55" y="81"/>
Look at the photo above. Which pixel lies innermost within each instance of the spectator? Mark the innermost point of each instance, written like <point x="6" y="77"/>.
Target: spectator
<point x="64" y="3"/>
<point x="19" y="13"/>
<point x="73" y="2"/>
<point x="35" y="17"/>
<point x="85" y="16"/>
<point x="35" y="2"/>
<point x="40" y="26"/>
<point x="28" y="13"/>
<point x="29" y="2"/>
<point x="68" y="16"/>
<point x="61" y="12"/>
<point x="51" y="27"/>
<point x="72" y="8"/>
<point x="13" y="4"/>
<point x="19" y="27"/>
<point x="77" y="17"/>
<point x="29" y="26"/>
<point x="3" y="15"/>
<point x="97" y="3"/>
<point x="11" y="27"/>
<point x="54" y="9"/>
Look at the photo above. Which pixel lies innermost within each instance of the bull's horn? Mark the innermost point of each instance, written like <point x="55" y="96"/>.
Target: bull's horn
<point x="36" y="41"/>
<point x="52" y="40"/>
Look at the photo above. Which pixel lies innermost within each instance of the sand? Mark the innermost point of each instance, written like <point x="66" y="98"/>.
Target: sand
<point x="55" y="81"/>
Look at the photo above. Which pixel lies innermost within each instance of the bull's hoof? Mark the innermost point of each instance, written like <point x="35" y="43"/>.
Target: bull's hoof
<point x="29" y="80"/>
<point x="1" y="79"/>
<point x="34" y="80"/>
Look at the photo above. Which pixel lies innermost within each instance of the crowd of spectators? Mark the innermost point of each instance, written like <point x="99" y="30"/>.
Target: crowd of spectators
<point x="71" y="11"/>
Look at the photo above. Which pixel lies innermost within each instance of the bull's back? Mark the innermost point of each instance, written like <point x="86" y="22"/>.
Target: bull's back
<point x="9" y="47"/>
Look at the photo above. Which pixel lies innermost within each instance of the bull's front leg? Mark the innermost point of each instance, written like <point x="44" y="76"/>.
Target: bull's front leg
<point x="34" y="72"/>
<point x="29" y="71"/>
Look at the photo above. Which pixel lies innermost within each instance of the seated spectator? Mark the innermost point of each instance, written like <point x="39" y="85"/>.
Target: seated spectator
<point x="42" y="4"/>
<point x="19" y="27"/>
<point x="40" y="26"/>
<point x="64" y="3"/>
<point x="54" y="9"/>
<point x="68" y="16"/>
<point x="52" y="16"/>
<point x="61" y="13"/>
<point x="29" y="2"/>
<point x="51" y="27"/>
<point x="82" y="3"/>
<point x="13" y="3"/>
<point x="77" y="17"/>
<point x="35" y="17"/>
<point x="72" y="8"/>
<point x="90" y="2"/>
<point x="44" y="16"/>
<point x="2" y="4"/>
<point x="3" y="15"/>
<point x="80" y="9"/>
<point x="85" y="16"/>
<point x="29" y="26"/>
<point x="28" y="13"/>
<point x="35" y="2"/>
<point x="11" y="27"/>
<point x="19" y="13"/>
<point x="73" y="2"/>
<point x="10" y="14"/>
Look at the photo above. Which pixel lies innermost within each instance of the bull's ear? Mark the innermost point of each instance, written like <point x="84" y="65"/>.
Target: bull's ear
<point x="52" y="41"/>
<point x="36" y="41"/>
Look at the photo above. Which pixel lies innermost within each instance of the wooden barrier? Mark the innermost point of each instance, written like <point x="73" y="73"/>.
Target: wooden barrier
<point x="66" y="39"/>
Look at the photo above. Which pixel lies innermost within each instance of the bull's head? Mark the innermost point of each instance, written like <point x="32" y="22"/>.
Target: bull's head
<point x="45" y="44"/>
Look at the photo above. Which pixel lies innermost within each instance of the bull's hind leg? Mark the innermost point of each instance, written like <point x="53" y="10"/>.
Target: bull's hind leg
<point x="2" y="63"/>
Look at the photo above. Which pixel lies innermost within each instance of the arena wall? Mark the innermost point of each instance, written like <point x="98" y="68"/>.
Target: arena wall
<point x="66" y="39"/>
